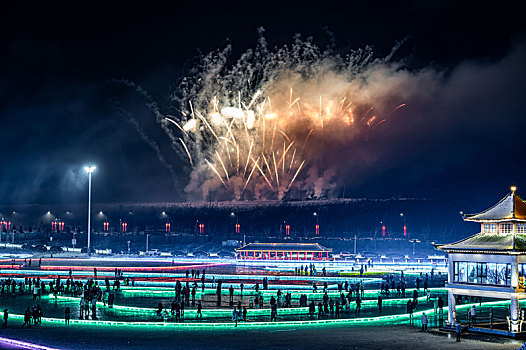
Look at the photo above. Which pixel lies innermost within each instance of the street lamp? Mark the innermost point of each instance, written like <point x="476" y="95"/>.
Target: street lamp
<point x="237" y="227"/>
<point x="405" y="226"/>
<point x="147" y="236"/>
<point x="414" y="241"/>
<point x="89" y="169"/>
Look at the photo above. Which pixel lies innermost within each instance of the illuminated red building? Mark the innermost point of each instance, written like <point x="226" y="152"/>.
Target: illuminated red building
<point x="283" y="251"/>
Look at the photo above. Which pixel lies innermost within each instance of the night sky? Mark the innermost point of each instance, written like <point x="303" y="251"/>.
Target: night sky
<point x="58" y="102"/>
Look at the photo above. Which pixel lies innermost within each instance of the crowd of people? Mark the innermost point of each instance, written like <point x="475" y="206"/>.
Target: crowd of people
<point x="93" y="291"/>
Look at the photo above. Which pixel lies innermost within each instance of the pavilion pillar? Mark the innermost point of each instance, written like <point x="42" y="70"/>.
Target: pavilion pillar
<point x="452" y="308"/>
<point x="514" y="273"/>
<point x="514" y="314"/>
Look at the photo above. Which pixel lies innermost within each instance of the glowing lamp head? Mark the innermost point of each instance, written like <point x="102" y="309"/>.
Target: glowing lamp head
<point x="513" y="188"/>
<point x="90" y="169"/>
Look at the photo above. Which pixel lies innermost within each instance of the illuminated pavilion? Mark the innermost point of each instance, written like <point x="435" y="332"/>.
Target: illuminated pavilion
<point x="283" y="251"/>
<point x="491" y="264"/>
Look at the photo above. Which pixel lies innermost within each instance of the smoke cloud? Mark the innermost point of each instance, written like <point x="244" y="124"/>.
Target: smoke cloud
<point x="299" y="121"/>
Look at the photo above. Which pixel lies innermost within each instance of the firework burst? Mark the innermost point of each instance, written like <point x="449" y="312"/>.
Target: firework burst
<point x="254" y="129"/>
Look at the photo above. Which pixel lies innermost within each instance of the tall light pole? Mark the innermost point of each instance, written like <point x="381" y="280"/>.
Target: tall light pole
<point x="414" y="241"/>
<point x="317" y="227"/>
<point x="237" y="227"/>
<point x="147" y="236"/>
<point x="89" y="169"/>
<point x="2" y="230"/>
<point x="404" y="227"/>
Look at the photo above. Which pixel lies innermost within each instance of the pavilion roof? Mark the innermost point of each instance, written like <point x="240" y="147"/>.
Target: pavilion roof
<point x="487" y="242"/>
<point x="284" y="247"/>
<point x="511" y="207"/>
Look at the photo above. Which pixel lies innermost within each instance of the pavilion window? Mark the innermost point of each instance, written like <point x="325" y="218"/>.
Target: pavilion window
<point x="482" y="273"/>
<point x="472" y="272"/>
<point x="460" y="271"/>
<point x="506" y="228"/>
<point x="490" y="228"/>
<point x="504" y="274"/>
<point x="492" y="273"/>
<point x="520" y="228"/>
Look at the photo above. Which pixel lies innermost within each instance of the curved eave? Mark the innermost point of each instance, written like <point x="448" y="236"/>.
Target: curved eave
<point x="485" y="251"/>
<point x="445" y="247"/>
<point x="492" y="220"/>
<point x="513" y="210"/>
<point x="473" y="217"/>
<point x="438" y="246"/>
